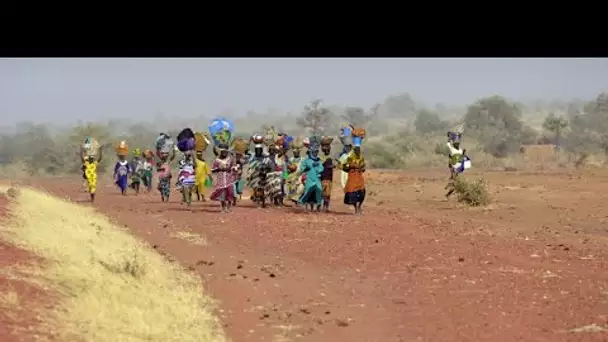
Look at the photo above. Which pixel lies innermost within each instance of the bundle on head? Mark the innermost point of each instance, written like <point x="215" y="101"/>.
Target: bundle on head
<point x="306" y="142"/>
<point x="122" y="148"/>
<point x="287" y="139"/>
<point x="240" y="145"/>
<point x="186" y="140"/>
<point x="221" y="130"/>
<point x="296" y="144"/>
<point x="326" y="140"/>
<point x="90" y="147"/>
<point x="148" y="154"/>
<point x="165" y="146"/>
<point x="454" y="136"/>
<point x="346" y="132"/>
<point x="270" y="136"/>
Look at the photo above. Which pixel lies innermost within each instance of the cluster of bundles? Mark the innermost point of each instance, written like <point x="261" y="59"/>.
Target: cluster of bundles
<point x="122" y="148"/>
<point x="90" y="148"/>
<point x="186" y="140"/>
<point x="165" y="146"/>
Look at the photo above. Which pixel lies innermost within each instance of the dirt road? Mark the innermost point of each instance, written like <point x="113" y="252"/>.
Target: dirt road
<point x="413" y="268"/>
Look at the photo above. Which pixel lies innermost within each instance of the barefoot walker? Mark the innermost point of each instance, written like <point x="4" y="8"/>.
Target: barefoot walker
<point x="354" y="189"/>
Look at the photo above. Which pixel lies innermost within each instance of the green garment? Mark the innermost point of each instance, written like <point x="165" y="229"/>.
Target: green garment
<point x="313" y="189"/>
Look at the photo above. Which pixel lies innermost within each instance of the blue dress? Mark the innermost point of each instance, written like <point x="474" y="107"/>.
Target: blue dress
<point x="122" y="169"/>
<point x="313" y="189"/>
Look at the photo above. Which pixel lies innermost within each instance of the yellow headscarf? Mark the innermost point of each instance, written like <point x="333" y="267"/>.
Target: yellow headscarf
<point x="137" y="152"/>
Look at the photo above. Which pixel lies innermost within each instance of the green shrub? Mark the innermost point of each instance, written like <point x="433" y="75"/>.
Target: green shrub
<point x="473" y="193"/>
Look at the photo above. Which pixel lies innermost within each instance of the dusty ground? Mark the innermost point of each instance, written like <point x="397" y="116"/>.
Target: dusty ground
<point x="530" y="267"/>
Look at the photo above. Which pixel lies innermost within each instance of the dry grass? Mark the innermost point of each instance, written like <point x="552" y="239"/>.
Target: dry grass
<point x="191" y="238"/>
<point x="111" y="286"/>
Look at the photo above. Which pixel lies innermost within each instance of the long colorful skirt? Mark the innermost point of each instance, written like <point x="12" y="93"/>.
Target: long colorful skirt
<point x="164" y="187"/>
<point x="354" y="191"/>
<point x="223" y="194"/>
<point x="327" y="184"/>
<point x="122" y="182"/>
<point x="91" y="178"/>
<point x="312" y="195"/>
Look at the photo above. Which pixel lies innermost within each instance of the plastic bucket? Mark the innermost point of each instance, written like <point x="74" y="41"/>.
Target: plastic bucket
<point x="357" y="141"/>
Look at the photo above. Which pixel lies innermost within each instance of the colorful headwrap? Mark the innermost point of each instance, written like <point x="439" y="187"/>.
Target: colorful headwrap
<point x="137" y="152"/>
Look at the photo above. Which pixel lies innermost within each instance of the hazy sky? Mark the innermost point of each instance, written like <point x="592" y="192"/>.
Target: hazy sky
<point x="70" y="89"/>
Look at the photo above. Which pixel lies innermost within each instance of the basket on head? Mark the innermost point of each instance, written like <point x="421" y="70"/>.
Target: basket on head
<point x="122" y="148"/>
<point x="201" y="141"/>
<point x="240" y="145"/>
<point x="326" y="140"/>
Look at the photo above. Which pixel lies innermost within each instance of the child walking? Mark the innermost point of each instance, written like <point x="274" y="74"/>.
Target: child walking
<point x="187" y="178"/>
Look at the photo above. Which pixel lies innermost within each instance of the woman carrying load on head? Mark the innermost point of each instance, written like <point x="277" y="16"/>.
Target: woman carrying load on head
<point x="122" y="168"/>
<point x="186" y="178"/>
<point x="456" y="158"/>
<point x="165" y="151"/>
<point x="90" y="166"/>
<point x="294" y="187"/>
<point x="347" y="145"/>
<point x="354" y="189"/>
<point x="224" y="168"/>
<point x="240" y="148"/>
<point x="137" y="167"/>
<point x="312" y="166"/>
<point x="274" y="178"/>
<point x="148" y="168"/>
<point x="203" y="172"/>
<point x="327" y="177"/>
<point x="260" y="165"/>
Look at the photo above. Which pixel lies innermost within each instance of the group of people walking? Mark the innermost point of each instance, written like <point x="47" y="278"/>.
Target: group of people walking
<point x="280" y="170"/>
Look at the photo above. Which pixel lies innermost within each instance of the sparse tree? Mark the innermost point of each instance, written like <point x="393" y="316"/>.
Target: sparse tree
<point x="358" y="117"/>
<point x="555" y="124"/>
<point x="315" y="118"/>
<point x="428" y="121"/>
<point x="497" y="124"/>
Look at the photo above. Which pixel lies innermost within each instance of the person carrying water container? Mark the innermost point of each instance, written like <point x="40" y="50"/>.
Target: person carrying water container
<point x="456" y="159"/>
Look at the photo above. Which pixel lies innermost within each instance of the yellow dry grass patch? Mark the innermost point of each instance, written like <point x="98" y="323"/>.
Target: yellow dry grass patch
<point x="191" y="238"/>
<point x="111" y="286"/>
